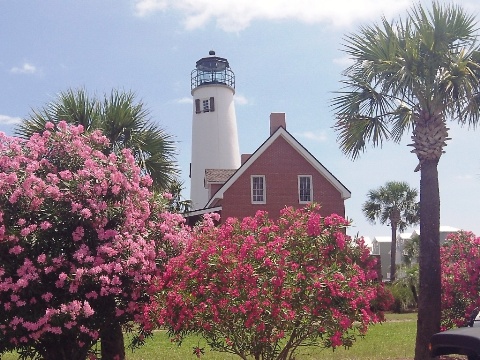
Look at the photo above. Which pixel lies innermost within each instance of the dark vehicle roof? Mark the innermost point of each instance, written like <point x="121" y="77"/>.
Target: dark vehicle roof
<point x="463" y="341"/>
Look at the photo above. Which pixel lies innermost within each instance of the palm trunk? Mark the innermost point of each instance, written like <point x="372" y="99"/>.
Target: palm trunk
<point x="414" y="292"/>
<point x="429" y="302"/>
<point x="62" y="349"/>
<point x="393" y="252"/>
<point x="113" y="347"/>
<point x="394" y="219"/>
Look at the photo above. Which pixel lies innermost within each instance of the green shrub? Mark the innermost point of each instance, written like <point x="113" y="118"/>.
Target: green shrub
<point x="404" y="300"/>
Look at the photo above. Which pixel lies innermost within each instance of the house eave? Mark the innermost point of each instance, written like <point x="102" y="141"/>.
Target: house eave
<point x="345" y="193"/>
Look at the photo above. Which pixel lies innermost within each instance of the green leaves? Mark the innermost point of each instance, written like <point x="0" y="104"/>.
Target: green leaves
<point x="122" y="119"/>
<point x="393" y="195"/>
<point x="427" y="61"/>
<point x="261" y="288"/>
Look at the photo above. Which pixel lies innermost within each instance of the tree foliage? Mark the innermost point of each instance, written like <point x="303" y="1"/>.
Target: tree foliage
<point x="122" y="119"/>
<point x="394" y="203"/>
<point x="411" y="76"/>
<point x="395" y="198"/>
<point x="259" y="288"/>
<point x="460" y="278"/>
<point x="81" y="237"/>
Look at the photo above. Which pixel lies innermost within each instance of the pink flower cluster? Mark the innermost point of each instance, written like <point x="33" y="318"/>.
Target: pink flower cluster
<point x="460" y="261"/>
<point x="81" y="238"/>
<point x="259" y="288"/>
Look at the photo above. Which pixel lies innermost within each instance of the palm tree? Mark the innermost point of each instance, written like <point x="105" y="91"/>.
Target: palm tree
<point x="410" y="257"/>
<point x="396" y="203"/>
<point x="411" y="250"/>
<point x="125" y="122"/>
<point x="177" y="203"/>
<point x="413" y="74"/>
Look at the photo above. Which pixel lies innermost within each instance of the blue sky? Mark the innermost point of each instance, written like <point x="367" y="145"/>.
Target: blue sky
<point x="286" y="57"/>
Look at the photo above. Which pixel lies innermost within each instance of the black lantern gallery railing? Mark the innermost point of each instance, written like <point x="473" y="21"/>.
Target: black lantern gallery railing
<point x="212" y="70"/>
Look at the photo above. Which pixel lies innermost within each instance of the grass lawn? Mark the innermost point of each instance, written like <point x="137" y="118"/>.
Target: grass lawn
<point x="393" y="339"/>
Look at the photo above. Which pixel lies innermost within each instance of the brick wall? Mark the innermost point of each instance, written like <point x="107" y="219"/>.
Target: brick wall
<point x="281" y="164"/>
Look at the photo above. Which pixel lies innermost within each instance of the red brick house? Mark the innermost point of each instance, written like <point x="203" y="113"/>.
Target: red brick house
<point x="280" y="173"/>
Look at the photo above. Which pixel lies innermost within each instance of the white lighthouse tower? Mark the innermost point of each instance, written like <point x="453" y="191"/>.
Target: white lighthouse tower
<point x="214" y="124"/>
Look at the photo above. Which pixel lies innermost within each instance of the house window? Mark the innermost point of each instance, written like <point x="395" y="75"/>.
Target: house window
<point x="305" y="191"/>
<point x="258" y="189"/>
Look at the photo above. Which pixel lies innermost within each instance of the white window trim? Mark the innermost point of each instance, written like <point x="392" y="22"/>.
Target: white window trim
<point x="311" y="189"/>
<point x="264" y="201"/>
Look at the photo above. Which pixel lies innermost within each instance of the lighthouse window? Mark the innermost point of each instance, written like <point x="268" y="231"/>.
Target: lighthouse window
<point x="258" y="189"/>
<point x="206" y="105"/>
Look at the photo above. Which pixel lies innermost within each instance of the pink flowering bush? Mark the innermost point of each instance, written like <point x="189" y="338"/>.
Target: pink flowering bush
<point x="460" y="257"/>
<point x="259" y="288"/>
<point x="81" y="237"/>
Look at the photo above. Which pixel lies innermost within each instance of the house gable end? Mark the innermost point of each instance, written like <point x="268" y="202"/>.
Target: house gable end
<point x="281" y="133"/>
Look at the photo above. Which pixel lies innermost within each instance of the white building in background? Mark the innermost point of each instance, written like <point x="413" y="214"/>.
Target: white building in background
<point x="368" y="243"/>
<point x="214" y="124"/>
<point x="402" y="239"/>
<point x="381" y="245"/>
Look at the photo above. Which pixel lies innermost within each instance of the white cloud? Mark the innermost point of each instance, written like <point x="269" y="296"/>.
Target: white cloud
<point x="184" y="100"/>
<point x="235" y="15"/>
<point x="9" y="120"/>
<point x="146" y="7"/>
<point x="240" y="100"/>
<point x="319" y="136"/>
<point x="26" y="68"/>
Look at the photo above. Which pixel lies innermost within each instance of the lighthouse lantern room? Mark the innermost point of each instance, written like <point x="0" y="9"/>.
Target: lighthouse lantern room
<point x="214" y="123"/>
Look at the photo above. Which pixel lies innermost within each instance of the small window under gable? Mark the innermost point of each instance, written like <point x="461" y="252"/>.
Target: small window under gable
<point x="305" y="189"/>
<point x="258" y="189"/>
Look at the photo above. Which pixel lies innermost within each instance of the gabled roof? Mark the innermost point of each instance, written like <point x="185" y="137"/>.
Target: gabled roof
<point x="382" y="239"/>
<point x="218" y="176"/>
<point x="446" y="228"/>
<point x="405" y="236"/>
<point x="443" y="229"/>
<point x="281" y="132"/>
<point x="368" y="241"/>
<point x="202" y="211"/>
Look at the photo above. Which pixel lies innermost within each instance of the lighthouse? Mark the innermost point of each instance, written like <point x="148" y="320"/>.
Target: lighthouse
<point x="214" y="124"/>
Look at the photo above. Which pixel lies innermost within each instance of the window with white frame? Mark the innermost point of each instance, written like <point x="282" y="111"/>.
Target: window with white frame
<point x="258" y="189"/>
<point x="305" y="190"/>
